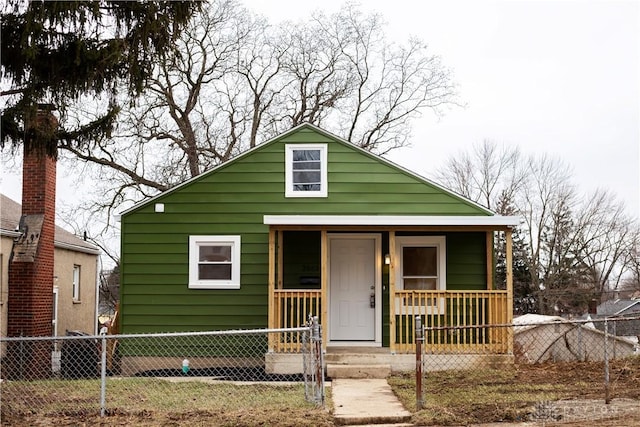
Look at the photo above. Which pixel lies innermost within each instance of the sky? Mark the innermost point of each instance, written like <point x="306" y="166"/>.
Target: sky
<point x="552" y="77"/>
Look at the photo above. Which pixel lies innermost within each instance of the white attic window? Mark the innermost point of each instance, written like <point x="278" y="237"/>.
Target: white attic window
<point x="306" y="170"/>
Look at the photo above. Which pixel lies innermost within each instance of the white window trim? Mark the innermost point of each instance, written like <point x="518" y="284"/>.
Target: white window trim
<point x="75" y="284"/>
<point x="440" y="242"/>
<point x="194" y="244"/>
<point x="289" y="191"/>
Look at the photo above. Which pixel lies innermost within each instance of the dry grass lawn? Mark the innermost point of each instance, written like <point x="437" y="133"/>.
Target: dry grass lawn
<point x="567" y="394"/>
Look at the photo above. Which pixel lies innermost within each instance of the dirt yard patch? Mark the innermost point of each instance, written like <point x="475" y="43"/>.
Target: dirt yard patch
<point x="568" y="394"/>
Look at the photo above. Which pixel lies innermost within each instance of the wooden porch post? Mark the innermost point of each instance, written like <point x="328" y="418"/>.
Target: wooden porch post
<point x="392" y="292"/>
<point x="509" y="273"/>
<point x="489" y="249"/>
<point x="280" y="258"/>
<point x="272" y="282"/>
<point x="323" y="286"/>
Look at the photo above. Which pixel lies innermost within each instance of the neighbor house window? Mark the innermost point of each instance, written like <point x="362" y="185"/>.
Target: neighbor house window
<point x="422" y="267"/>
<point x="75" y="286"/>
<point x="214" y="262"/>
<point x="306" y="170"/>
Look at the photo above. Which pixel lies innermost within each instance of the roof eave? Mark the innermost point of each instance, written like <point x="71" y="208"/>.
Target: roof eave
<point x="56" y="243"/>
<point x="76" y="248"/>
<point x="392" y="220"/>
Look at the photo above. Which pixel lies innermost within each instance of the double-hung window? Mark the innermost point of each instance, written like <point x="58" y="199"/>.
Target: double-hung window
<point x="306" y="170"/>
<point x="214" y="262"/>
<point x="422" y="267"/>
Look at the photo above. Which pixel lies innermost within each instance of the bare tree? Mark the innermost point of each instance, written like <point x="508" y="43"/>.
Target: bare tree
<point x="387" y="85"/>
<point x="631" y="283"/>
<point x="234" y="80"/>
<point x="576" y="248"/>
<point x="109" y="290"/>
<point x="605" y="238"/>
<point x="543" y="203"/>
<point x="489" y="174"/>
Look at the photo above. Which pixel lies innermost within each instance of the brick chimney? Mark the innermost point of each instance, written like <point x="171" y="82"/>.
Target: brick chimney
<point x="30" y="299"/>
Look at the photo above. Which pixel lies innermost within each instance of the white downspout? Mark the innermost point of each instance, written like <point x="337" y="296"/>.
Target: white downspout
<point x="96" y="321"/>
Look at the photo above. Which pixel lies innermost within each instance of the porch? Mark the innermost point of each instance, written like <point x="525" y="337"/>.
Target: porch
<point x="393" y="306"/>
<point x="471" y="313"/>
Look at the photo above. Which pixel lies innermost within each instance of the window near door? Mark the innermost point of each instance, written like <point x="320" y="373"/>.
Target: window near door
<point x="306" y="170"/>
<point x="75" y="287"/>
<point x="214" y="262"/>
<point x="422" y="267"/>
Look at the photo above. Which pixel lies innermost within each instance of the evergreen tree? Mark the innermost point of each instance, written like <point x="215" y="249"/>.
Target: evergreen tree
<point x="568" y="283"/>
<point x="524" y="296"/>
<point x="56" y="52"/>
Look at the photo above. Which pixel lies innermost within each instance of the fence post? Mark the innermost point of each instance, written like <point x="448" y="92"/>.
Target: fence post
<point x="316" y="340"/>
<point x="607" y="398"/>
<point x="419" y="338"/>
<point x="103" y="372"/>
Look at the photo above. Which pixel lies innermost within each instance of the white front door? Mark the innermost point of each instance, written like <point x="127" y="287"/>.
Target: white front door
<point x="354" y="288"/>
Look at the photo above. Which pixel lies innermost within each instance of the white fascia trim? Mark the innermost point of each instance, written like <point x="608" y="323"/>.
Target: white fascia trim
<point x="626" y="308"/>
<point x="76" y="248"/>
<point x="392" y="220"/>
<point x="10" y="233"/>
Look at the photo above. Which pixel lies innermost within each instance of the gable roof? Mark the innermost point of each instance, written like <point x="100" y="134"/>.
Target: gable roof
<point x="616" y="307"/>
<point x="337" y="139"/>
<point x="10" y="213"/>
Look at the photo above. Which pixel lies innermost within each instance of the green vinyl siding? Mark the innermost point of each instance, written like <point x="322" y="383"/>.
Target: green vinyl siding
<point x="466" y="261"/>
<point x="232" y="200"/>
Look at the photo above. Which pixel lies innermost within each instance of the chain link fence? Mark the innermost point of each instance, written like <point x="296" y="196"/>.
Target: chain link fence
<point x="81" y="374"/>
<point x="560" y="359"/>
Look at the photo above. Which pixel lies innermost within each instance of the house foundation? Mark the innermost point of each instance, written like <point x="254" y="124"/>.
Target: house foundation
<point x="359" y="363"/>
<point x="136" y="365"/>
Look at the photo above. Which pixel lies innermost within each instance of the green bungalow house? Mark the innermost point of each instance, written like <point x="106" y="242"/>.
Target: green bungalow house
<point x="308" y="223"/>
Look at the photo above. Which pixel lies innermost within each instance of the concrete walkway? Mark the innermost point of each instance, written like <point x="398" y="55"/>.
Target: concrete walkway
<point x="366" y="401"/>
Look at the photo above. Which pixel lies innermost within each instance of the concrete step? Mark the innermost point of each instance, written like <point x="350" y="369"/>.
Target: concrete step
<point x="357" y="358"/>
<point x="366" y="402"/>
<point x="357" y="371"/>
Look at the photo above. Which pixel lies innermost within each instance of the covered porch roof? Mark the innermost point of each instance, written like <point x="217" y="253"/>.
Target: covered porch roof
<point x="393" y="220"/>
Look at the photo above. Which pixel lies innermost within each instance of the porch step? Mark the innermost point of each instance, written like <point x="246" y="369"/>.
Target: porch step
<point x="357" y="371"/>
<point x="352" y="356"/>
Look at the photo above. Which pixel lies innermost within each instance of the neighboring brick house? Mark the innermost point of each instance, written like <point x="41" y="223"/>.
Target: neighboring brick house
<point x="74" y="281"/>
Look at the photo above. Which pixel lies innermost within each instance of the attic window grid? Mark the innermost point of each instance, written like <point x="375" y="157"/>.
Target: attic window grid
<point x="214" y="262"/>
<point x="306" y="170"/>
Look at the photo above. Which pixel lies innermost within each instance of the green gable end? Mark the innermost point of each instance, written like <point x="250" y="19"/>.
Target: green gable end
<point x="359" y="183"/>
